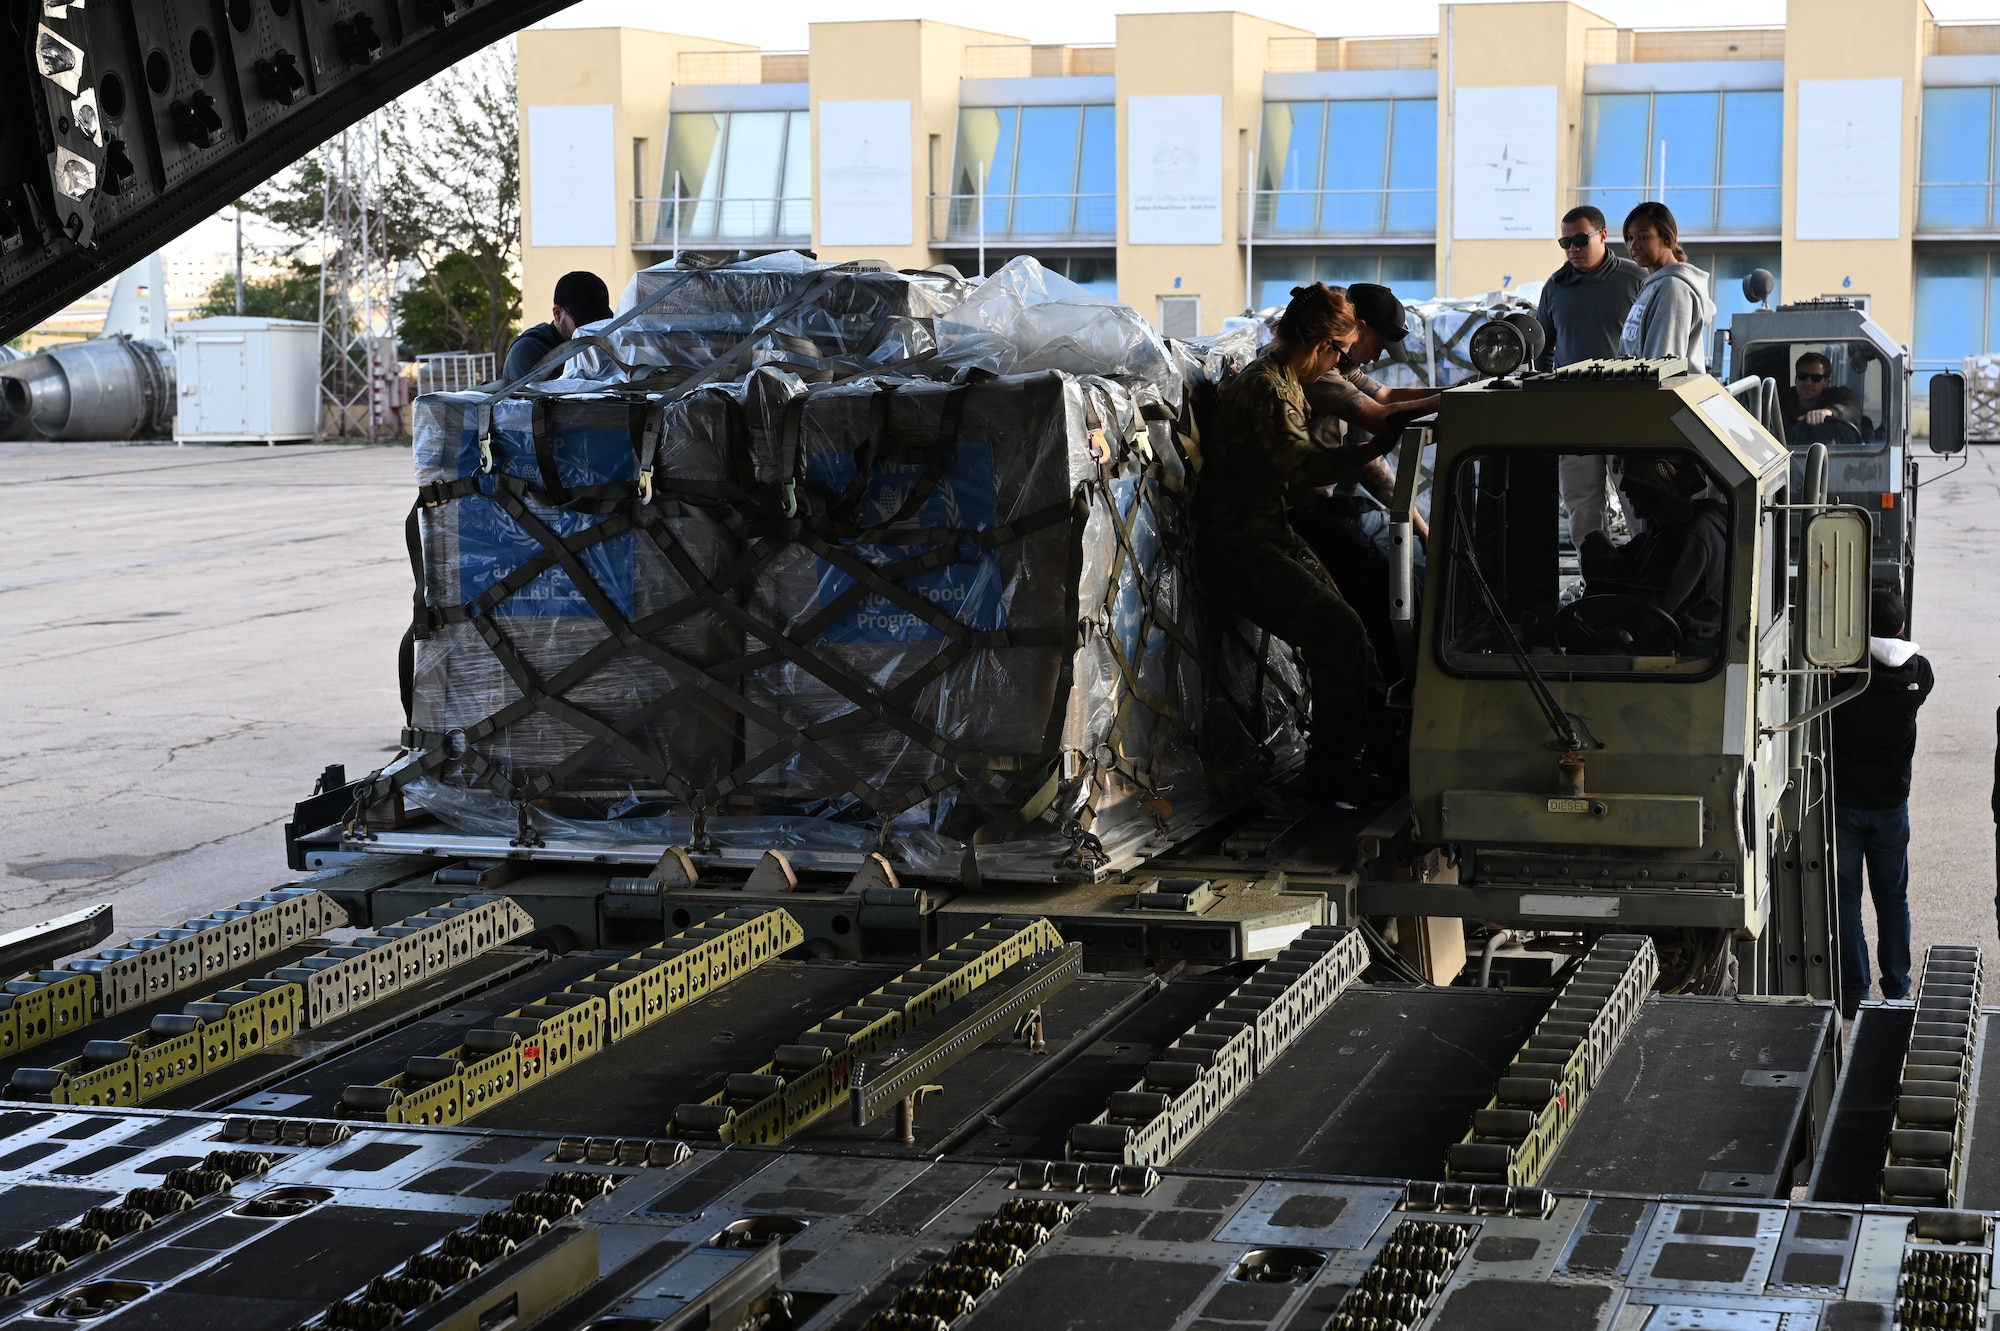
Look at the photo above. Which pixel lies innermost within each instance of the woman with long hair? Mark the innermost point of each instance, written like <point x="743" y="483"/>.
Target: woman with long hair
<point x="1672" y="315"/>
<point x="1257" y="449"/>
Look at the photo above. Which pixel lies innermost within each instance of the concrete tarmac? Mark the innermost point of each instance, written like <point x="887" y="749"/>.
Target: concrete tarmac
<point x="191" y="634"/>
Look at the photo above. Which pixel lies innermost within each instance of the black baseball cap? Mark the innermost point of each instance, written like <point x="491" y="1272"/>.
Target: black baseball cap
<point x="1378" y="307"/>
<point x="584" y="295"/>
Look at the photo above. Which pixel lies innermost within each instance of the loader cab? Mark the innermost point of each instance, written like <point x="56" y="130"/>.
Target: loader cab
<point x="1866" y="390"/>
<point x="1649" y="644"/>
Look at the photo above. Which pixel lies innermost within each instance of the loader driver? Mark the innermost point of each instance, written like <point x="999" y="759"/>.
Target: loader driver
<point x="1259" y="452"/>
<point x="1674" y="571"/>
<point x="1813" y="403"/>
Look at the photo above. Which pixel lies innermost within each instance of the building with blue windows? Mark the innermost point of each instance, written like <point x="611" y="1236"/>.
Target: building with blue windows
<point x="1207" y="163"/>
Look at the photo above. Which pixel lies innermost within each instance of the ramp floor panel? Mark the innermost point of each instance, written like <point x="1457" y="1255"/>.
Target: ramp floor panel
<point x="1980" y="1181"/>
<point x="986" y="1075"/>
<point x="633" y="1087"/>
<point x="1037" y="1126"/>
<point x="1705" y="1095"/>
<point x="1378" y="1087"/>
<point x="1856" y="1141"/>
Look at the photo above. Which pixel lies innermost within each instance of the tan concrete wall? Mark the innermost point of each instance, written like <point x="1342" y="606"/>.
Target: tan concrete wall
<point x="632" y="71"/>
<point x="1178" y="55"/>
<point x="913" y="59"/>
<point x="1821" y="42"/>
<point x="1528" y="45"/>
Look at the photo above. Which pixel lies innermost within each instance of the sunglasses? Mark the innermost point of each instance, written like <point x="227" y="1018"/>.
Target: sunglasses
<point x="1811" y="378"/>
<point x="1576" y="242"/>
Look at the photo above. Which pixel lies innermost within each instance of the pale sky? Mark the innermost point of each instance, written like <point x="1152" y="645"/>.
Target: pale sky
<point x="780" y="25"/>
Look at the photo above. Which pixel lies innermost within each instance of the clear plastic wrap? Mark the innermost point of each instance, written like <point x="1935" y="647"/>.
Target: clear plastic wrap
<point x="1025" y="318"/>
<point x="832" y="320"/>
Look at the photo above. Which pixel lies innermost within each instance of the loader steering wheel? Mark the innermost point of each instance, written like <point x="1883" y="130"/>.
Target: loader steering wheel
<point x="1833" y="432"/>
<point x="1616" y="625"/>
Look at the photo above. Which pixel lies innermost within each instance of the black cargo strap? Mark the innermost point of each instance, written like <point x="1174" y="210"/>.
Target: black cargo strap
<point x="766" y="519"/>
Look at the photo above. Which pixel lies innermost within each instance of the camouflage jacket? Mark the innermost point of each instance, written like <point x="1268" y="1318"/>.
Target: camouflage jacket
<point x="1255" y="448"/>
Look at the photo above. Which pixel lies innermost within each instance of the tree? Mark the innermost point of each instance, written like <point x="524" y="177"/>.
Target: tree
<point x="293" y="294"/>
<point x="428" y="321"/>
<point x="452" y="196"/>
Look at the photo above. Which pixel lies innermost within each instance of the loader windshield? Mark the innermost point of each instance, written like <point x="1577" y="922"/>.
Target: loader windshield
<point x="1601" y="563"/>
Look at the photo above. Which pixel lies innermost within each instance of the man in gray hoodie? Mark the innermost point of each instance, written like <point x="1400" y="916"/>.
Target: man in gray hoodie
<point x="1584" y="302"/>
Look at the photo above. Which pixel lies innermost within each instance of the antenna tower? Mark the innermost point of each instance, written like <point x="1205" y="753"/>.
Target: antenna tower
<point x="357" y="322"/>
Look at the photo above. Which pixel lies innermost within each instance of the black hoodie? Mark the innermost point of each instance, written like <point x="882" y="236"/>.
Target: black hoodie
<point x="1582" y="314"/>
<point x="1875" y="736"/>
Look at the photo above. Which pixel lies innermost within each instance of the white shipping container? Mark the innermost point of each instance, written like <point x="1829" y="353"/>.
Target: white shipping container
<point x="245" y="380"/>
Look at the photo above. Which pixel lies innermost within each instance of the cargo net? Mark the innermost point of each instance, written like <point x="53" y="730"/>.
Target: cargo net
<point x="951" y="618"/>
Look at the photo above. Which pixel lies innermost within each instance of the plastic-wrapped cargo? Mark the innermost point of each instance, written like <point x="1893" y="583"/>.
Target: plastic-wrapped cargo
<point x="520" y="657"/>
<point x="919" y="614"/>
<point x="819" y="320"/>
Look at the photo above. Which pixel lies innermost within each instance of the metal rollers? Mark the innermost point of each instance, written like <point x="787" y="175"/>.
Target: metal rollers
<point x="1200" y="1074"/>
<point x="1515" y="1136"/>
<point x="972" y="1269"/>
<point x="40" y="1006"/>
<point x="1398" y="1288"/>
<point x="543" y="1038"/>
<point x="375" y="965"/>
<point x="813" y="1073"/>
<point x="1928" y="1139"/>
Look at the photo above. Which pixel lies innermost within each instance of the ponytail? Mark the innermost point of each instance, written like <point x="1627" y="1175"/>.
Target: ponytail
<point x="1317" y="314"/>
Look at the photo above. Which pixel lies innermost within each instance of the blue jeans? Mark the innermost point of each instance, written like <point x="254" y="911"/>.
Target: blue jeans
<point x="1880" y="838"/>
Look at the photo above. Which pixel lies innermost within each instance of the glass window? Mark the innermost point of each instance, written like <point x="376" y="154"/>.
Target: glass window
<point x="1718" y="156"/>
<point x="740" y="176"/>
<point x="1727" y="269"/>
<point x="1843" y="379"/>
<point x="1956" y="164"/>
<point x="1615" y="154"/>
<point x="1413" y="168"/>
<point x="1753" y="162"/>
<point x="1655" y="603"/>
<point x="751" y="169"/>
<point x="1275" y="272"/>
<point x="797" y="191"/>
<point x="1685" y="130"/>
<point x="1357" y="168"/>
<point x="1951" y="315"/>
<point x="1045" y="180"/>
<point x="1347" y="168"/>
<point x="1093" y="271"/>
<point x="1097" y="176"/>
<point x="1288" y="162"/>
<point x="693" y="170"/>
<point x="1049" y="171"/>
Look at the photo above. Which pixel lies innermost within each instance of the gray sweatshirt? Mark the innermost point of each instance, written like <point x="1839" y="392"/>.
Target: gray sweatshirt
<point x="1581" y="312"/>
<point x="1671" y="317"/>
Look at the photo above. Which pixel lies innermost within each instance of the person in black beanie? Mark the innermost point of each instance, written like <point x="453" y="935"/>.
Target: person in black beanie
<point x="1874" y="744"/>
<point x="581" y="298"/>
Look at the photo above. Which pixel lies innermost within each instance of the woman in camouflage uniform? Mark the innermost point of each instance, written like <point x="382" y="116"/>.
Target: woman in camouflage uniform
<point x="1257" y="448"/>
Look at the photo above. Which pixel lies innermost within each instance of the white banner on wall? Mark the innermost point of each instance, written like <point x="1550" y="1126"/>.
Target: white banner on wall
<point x="1173" y="157"/>
<point x="1504" y="164"/>
<point x="1850" y="184"/>
<point x="572" y="179"/>
<point x="865" y="174"/>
